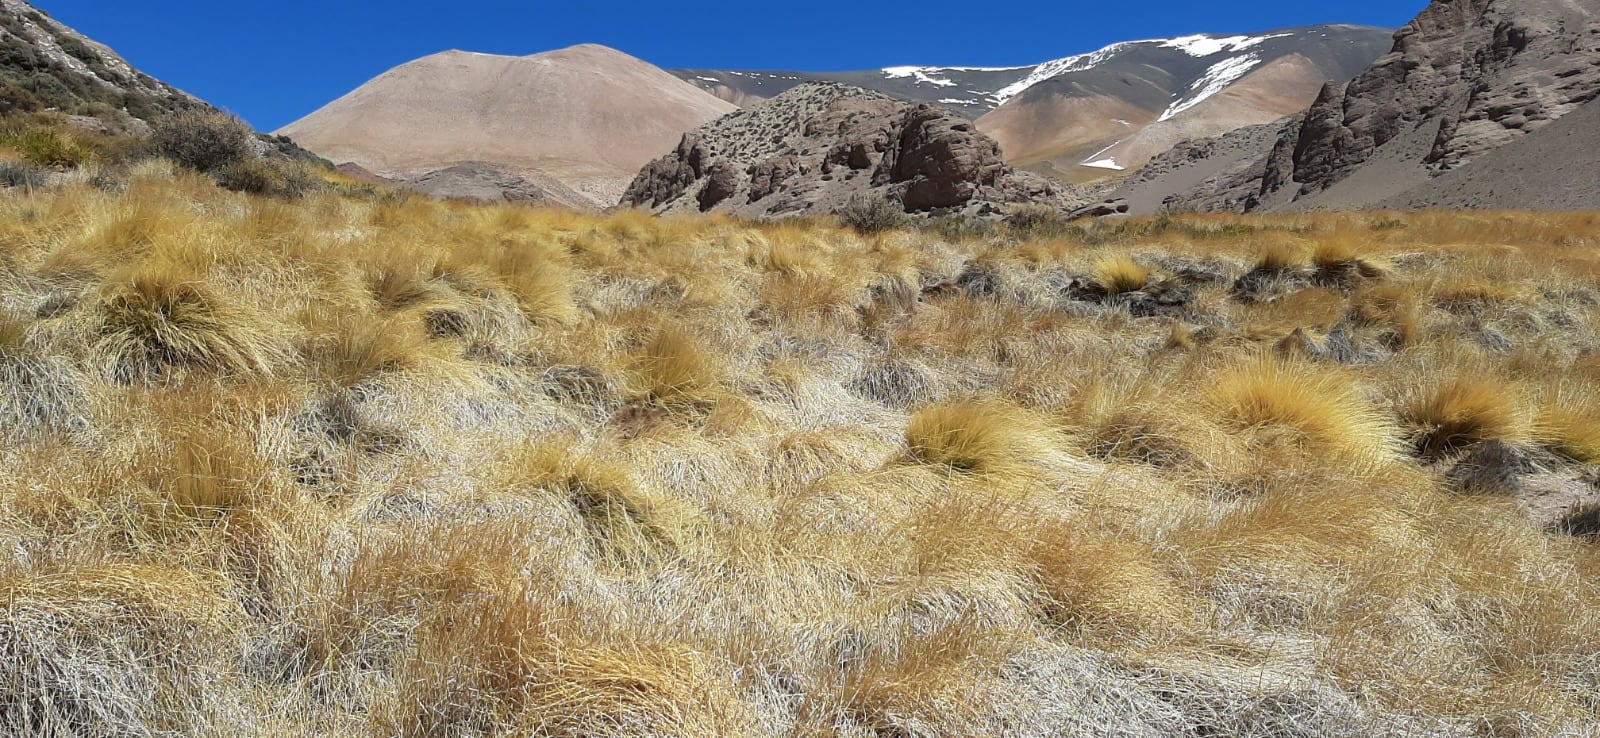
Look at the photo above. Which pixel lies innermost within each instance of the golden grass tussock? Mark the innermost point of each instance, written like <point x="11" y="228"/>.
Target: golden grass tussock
<point x="624" y="522"/>
<point x="1107" y="587"/>
<point x="1452" y="415"/>
<point x="1393" y="308"/>
<point x="1278" y="257"/>
<point x="362" y="463"/>
<point x="673" y="369"/>
<point x="1119" y="274"/>
<point x="1572" y="432"/>
<point x="982" y="437"/>
<point x="1293" y="406"/>
<point x="1342" y="260"/>
<point x="516" y="665"/>
<point x="163" y="319"/>
<point x="912" y="689"/>
<point x="348" y="348"/>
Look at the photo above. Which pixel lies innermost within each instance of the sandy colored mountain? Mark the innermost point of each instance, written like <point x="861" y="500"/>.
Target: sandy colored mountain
<point x="588" y="117"/>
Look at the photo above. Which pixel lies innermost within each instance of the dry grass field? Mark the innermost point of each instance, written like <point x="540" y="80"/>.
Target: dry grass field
<point x="364" y="465"/>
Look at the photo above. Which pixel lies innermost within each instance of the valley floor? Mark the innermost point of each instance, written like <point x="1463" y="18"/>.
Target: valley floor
<point x="370" y="465"/>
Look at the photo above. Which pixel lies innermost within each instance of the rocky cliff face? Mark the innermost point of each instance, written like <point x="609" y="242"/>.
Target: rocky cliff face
<point x="1486" y="71"/>
<point x="1464" y="78"/>
<point x="812" y="149"/>
<point x="46" y="65"/>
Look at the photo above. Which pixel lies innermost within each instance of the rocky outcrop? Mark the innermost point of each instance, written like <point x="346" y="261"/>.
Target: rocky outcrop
<point x="1487" y="71"/>
<point x="1465" y="77"/>
<point x="816" y="147"/>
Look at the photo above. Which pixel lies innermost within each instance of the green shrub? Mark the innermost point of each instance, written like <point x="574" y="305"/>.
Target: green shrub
<point x="1037" y="221"/>
<point x="252" y="176"/>
<point x="203" y="141"/>
<point x="870" y="215"/>
<point x="47" y="147"/>
<point x="262" y="177"/>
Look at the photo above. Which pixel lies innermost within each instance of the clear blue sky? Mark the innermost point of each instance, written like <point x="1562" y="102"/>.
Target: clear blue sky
<point x="273" y="61"/>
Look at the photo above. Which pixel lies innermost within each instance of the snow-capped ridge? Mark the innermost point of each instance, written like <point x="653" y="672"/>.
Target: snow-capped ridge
<point x="1200" y="46"/>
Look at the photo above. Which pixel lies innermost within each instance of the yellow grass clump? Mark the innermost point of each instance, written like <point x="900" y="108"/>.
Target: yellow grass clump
<point x="1292" y="405"/>
<point x="983" y="437"/>
<point x="1120" y="274"/>
<point x="1464" y="411"/>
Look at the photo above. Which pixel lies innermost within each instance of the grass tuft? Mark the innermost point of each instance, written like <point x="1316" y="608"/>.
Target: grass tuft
<point x="1290" y="405"/>
<point x="1120" y="274"/>
<point x="163" y="318"/>
<point x="982" y="437"/>
<point x="1463" y="412"/>
<point x="673" y="370"/>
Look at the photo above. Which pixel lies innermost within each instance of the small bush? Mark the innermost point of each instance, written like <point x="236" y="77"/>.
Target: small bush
<point x="1037" y="221"/>
<point x="202" y="141"/>
<point x="251" y="176"/>
<point x="21" y="174"/>
<point x="869" y="215"/>
<point x="48" y="147"/>
<point x="261" y="177"/>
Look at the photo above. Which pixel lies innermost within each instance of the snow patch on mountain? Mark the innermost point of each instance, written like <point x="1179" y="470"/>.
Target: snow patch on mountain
<point x="1215" y="80"/>
<point x="1050" y="69"/>
<point x="1201" y="45"/>
<point x="1109" y="162"/>
<point x="920" y="73"/>
<point x="928" y="75"/>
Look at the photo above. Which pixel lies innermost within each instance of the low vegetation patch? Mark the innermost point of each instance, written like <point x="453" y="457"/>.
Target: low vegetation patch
<point x="357" y="464"/>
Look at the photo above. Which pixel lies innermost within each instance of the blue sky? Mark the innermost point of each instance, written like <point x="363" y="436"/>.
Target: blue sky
<point x="273" y="62"/>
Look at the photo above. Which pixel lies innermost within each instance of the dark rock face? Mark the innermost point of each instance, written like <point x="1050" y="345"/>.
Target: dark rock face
<point x="941" y="160"/>
<point x="1486" y="70"/>
<point x="812" y="149"/>
<point x="1464" y="78"/>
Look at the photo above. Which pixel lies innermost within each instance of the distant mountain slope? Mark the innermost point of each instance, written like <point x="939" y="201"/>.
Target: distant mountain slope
<point x="1118" y="108"/>
<point x="588" y="117"/>
<point x="1087" y="116"/>
<point x="1464" y="79"/>
<point x="46" y="65"/>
